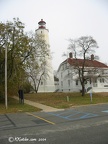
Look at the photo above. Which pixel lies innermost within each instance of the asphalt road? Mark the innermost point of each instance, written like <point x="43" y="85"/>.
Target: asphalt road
<point x="78" y="125"/>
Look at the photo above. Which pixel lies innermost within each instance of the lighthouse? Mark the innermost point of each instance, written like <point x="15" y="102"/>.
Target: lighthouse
<point x="47" y="82"/>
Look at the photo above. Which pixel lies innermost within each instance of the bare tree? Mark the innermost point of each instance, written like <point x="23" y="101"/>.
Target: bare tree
<point x="37" y="62"/>
<point x="82" y="48"/>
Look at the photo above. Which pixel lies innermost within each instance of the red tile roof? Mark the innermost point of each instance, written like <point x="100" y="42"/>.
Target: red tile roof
<point x="88" y="63"/>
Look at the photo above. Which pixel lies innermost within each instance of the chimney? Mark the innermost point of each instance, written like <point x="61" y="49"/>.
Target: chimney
<point x="70" y="55"/>
<point x="92" y="57"/>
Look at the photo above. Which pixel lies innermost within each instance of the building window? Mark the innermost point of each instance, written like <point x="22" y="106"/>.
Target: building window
<point x="61" y="74"/>
<point x="76" y="82"/>
<point x="62" y="83"/>
<point x="101" y="80"/>
<point x="102" y="71"/>
<point x="41" y="82"/>
<point x="65" y="66"/>
<point x="90" y="81"/>
<point x="69" y="83"/>
<point x="95" y="80"/>
<point x="62" y="67"/>
<point x="68" y="72"/>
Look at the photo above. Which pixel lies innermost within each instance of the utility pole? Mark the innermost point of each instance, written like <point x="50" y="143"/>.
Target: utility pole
<point x="6" y="44"/>
<point x="6" y="72"/>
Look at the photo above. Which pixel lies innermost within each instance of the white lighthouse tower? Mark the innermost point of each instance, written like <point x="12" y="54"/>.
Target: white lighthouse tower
<point x="47" y="82"/>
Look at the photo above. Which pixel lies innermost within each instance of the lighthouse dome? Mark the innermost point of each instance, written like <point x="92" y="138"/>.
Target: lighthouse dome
<point x="41" y="22"/>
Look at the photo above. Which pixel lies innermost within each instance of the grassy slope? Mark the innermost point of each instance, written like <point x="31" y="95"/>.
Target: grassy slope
<point x="14" y="106"/>
<point x="59" y="100"/>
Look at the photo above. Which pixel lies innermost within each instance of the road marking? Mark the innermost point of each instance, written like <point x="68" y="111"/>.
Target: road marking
<point x="41" y="118"/>
<point x="61" y="112"/>
<point x="105" y="111"/>
<point x="74" y="115"/>
<point x="88" y="115"/>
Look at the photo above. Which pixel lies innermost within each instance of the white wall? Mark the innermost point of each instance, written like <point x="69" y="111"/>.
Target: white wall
<point x="65" y="74"/>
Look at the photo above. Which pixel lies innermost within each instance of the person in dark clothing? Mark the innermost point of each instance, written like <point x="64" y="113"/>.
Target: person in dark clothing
<point x="21" y="96"/>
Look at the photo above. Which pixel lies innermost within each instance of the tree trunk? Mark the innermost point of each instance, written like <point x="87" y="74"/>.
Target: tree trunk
<point x="35" y="88"/>
<point x="39" y="81"/>
<point x="83" y="89"/>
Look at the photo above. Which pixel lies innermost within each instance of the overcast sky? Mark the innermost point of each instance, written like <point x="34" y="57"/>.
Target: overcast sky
<point x="65" y="19"/>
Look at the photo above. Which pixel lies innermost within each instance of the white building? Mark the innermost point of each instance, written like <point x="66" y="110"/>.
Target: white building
<point x="69" y="78"/>
<point x="47" y="83"/>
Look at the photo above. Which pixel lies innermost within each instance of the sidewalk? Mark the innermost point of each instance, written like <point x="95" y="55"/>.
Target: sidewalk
<point x="38" y="105"/>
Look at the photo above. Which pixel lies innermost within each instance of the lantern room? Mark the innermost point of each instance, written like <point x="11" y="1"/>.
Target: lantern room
<point x="42" y="24"/>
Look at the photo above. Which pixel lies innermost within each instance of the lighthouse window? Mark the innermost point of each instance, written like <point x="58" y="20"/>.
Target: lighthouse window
<point x="41" y="31"/>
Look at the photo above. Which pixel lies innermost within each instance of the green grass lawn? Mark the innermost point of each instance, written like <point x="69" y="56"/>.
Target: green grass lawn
<point x="14" y="106"/>
<point x="59" y="100"/>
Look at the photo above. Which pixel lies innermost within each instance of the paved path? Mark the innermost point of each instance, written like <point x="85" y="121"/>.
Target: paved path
<point x="38" y="105"/>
